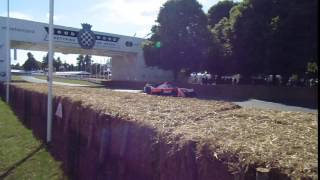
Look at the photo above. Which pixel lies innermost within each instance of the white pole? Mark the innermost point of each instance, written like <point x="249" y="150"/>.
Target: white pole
<point x="8" y="55"/>
<point x="49" y="115"/>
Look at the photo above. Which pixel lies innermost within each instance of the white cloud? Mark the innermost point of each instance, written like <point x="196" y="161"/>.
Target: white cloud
<point x="138" y="13"/>
<point x="55" y="17"/>
<point x="121" y="11"/>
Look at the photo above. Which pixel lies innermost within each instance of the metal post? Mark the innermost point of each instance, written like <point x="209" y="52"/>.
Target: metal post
<point x="100" y="72"/>
<point x="8" y="55"/>
<point x="15" y="54"/>
<point x="96" y="65"/>
<point x="103" y="69"/>
<point x="49" y="115"/>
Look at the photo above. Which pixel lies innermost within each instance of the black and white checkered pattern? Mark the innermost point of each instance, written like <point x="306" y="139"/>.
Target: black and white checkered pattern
<point x="87" y="39"/>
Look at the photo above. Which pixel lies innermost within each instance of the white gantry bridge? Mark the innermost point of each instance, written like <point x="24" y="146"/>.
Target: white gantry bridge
<point x="126" y="52"/>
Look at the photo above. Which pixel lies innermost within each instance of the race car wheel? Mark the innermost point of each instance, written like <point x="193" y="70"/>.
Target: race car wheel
<point x="174" y="93"/>
<point x="192" y="94"/>
<point x="147" y="89"/>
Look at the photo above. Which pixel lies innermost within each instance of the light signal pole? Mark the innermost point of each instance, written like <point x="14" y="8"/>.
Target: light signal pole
<point x="50" y="64"/>
<point x="8" y="73"/>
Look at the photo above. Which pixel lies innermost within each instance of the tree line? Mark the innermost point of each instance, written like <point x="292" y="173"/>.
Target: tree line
<point x="84" y="63"/>
<point x="251" y="38"/>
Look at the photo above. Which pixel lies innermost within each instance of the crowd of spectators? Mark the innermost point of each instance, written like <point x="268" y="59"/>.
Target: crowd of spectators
<point x="270" y="80"/>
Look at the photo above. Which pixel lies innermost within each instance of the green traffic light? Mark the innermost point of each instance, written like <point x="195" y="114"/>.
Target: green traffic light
<point x="158" y="44"/>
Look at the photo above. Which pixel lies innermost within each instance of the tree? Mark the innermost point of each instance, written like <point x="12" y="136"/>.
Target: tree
<point x="219" y="11"/>
<point x="87" y="62"/>
<point x="57" y="63"/>
<point x="295" y="37"/>
<point x="80" y="62"/>
<point x="312" y="69"/>
<point x="151" y="49"/>
<point x="17" y="66"/>
<point x="274" y="37"/>
<point x="31" y="63"/>
<point x="180" y="39"/>
<point x="67" y="67"/>
<point x="251" y="35"/>
<point x="44" y="63"/>
<point x="220" y="60"/>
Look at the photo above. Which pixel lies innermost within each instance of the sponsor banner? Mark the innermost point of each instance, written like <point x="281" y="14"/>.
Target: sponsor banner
<point x="17" y="29"/>
<point x="86" y="38"/>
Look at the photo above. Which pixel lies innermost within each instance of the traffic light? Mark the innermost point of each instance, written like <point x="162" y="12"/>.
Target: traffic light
<point x="157" y="44"/>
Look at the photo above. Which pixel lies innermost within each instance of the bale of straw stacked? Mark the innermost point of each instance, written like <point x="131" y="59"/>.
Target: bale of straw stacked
<point x="107" y="134"/>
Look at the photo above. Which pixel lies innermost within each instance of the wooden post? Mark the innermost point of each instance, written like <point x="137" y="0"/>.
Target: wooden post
<point x="262" y="174"/>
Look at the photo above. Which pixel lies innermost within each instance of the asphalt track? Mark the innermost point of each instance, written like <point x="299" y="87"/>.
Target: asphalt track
<point x="251" y="103"/>
<point x="255" y="103"/>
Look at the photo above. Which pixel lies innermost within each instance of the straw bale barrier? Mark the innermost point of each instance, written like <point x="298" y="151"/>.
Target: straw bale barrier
<point x="302" y="96"/>
<point x="113" y="135"/>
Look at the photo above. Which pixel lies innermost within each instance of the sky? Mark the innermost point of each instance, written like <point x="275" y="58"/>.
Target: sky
<point x="124" y="17"/>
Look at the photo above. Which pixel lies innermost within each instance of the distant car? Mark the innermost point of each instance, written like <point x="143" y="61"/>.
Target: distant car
<point x="168" y="89"/>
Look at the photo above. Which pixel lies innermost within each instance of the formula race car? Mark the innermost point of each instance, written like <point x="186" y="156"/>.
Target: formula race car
<point x="168" y="89"/>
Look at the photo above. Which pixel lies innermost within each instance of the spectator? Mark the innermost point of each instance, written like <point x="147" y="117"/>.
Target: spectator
<point x="235" y="79"/>
<point x="311" y="82"/>
<point x="293" y="80"/>
<point x="204" y="80"/>
<point x="278" y="79"/>
<point x="301" y="82"/>
<point x="269" y="79"/>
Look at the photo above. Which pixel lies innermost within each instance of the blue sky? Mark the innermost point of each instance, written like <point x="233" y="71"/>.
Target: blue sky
<point x="125" y="17"/>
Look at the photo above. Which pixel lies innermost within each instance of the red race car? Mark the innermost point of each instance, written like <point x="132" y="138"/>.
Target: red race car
<point x="168" y="89"/>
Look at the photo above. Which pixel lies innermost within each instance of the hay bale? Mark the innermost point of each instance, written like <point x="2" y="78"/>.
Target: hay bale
<point x="198" y="134"/>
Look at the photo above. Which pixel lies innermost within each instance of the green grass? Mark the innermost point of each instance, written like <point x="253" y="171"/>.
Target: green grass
<point x="17" y="143"/>
<point x="16" y="78"/>
<point x="72" y="81"/>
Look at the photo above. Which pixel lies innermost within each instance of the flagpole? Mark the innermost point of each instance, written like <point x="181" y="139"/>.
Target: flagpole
<point x="49" y="114"/>
<point x="8" y="73"/>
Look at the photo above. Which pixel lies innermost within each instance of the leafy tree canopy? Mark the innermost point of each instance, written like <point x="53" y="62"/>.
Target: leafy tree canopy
<point x="31" y="63"/>
<point x="180" y="39"/>
<point x="274" y="37"/>
<point x="219" y="11"/>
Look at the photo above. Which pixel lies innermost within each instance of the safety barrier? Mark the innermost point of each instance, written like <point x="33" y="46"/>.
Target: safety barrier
<point x="297" y="96"/>
<point x="93" y="145"/>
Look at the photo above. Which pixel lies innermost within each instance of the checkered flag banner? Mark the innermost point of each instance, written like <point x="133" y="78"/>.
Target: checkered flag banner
<point x="86" y="37"/>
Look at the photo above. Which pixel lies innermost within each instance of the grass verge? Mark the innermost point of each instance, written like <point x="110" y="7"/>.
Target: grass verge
<point x="71" y="81"/>
<point x="21" y="155"/>
<point x="17" y="78"/>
